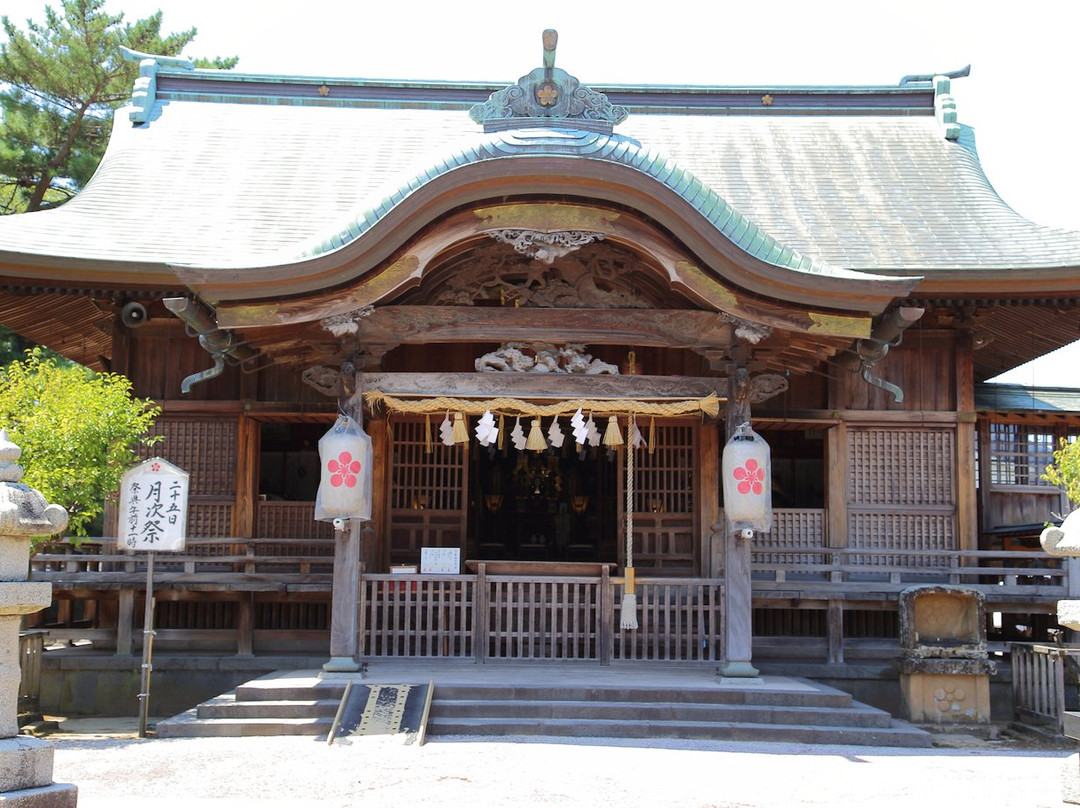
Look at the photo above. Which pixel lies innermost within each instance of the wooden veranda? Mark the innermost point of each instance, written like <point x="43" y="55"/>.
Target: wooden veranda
<point x="263" y="596"/>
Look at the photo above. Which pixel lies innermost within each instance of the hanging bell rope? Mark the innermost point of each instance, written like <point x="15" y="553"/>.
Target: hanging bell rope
<point x="709" y="405"/>
<point x="628" y="613"/>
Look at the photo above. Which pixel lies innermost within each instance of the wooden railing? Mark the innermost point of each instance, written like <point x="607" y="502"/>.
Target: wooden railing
<point x="838" y="573"/>
<point x="509" y="617"/>
<point x="220" y="559"/>
<point x="1039" y="682"/>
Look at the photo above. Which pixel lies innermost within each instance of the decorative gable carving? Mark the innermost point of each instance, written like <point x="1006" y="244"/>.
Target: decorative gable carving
<point x="546" y="94"/>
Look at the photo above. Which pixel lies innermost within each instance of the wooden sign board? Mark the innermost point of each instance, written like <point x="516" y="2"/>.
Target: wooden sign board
<point x="153" y="507"/>
<point x="440" y="560"/>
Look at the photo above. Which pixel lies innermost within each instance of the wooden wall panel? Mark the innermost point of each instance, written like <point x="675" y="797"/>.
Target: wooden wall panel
<point x="160" y="359"/>
<point x="804" y="393"/>
<point x="923" y="366"/>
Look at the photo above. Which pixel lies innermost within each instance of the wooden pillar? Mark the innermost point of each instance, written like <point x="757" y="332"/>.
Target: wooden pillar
<point x="247" y="478"/>
<point x="967" y="513"/>
<point x="836" y="490"/>
<point x="125" y="616"/>
<point x="711" y="542"/>
<point x="376" y="552"/>
<point x="738" y="597"/>
<point x="836" y="632"/>
<point x="245" y="624"/>
<point x="344" y="608"/>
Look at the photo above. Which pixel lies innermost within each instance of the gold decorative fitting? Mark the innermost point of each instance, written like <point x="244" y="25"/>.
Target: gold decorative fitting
<point x="766" y="100"/>
<point x="547" y="95"/>
<point x="324" y="91"/>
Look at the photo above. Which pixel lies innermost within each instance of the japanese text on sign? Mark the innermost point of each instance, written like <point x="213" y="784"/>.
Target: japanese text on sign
<point x="153" y="507"/>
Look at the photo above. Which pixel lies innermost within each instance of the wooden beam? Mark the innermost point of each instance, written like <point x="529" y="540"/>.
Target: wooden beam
<point x="543" y="385"/>
<point x="667" y="328"/>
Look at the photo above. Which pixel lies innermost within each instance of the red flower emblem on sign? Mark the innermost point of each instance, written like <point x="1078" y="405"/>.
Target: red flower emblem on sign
<point x="750" y="477"/>
<point x="343" y="470"/>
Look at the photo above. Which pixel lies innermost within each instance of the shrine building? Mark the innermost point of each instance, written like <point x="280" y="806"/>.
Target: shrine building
<point x="614" y="278"/>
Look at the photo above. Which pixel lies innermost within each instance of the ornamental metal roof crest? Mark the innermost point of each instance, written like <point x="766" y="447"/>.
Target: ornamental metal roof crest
<point x="545" y="94"/>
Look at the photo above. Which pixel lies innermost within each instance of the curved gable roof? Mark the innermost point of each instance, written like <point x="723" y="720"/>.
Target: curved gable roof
<point x="224" y="181"/>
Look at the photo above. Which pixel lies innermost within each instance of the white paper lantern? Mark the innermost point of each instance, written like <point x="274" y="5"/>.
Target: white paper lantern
<point x="345" y="477"/>
<point x="747" y="475"/>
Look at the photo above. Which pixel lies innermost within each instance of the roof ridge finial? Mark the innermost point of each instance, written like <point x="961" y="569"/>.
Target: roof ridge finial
<point x="551" y="41"/>
<point x="548" y="96"/>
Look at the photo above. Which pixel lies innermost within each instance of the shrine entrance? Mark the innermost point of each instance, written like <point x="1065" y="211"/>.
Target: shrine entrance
<point x="560" y="504"/>
<point x="564" y="503"/>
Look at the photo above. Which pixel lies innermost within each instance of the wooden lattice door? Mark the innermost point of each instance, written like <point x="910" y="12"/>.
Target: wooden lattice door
<point x="428" y="491"/>
<point x="665" y="511"/>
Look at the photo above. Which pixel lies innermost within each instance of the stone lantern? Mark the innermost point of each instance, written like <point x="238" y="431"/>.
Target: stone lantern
<point x="26" y="764"/>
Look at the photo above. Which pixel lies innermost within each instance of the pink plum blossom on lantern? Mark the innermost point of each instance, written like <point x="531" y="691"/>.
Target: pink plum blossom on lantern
<point x="343" y="470"/>
<point x="750" y="477"/>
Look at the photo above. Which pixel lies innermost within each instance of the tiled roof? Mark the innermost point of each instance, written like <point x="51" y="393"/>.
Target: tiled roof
<point x="227" y="181"/>
<point x="1018" y="398"/>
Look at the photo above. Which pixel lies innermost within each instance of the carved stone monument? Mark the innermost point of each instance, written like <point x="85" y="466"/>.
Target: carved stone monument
<point x="944" y="671"/>
<point x="26" y="764"/>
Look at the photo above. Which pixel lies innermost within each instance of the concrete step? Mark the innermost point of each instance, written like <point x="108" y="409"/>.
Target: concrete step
<point x="854" y="716"/>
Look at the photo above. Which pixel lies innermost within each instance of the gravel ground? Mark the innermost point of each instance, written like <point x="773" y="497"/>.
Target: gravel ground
<point x="114" y="771"/>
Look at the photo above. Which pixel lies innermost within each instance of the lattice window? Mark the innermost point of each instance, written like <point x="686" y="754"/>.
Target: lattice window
<point x="425" y="480"/>
<point x="664" y="478"/>
<point x="205" y="449"/>
<point x="1020" y="453"/>
<point x="901" y="466"/>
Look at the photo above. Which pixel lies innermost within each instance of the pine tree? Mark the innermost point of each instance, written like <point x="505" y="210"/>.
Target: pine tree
<point x="59" y="82"/>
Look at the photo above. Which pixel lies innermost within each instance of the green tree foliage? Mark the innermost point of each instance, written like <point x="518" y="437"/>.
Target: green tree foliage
<point x="1064" y="472"/>
<point x="59" y="82"/>
<point x="78" y="431"/>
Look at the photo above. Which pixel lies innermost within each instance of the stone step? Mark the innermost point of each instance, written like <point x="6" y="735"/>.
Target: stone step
<point x="189" y="725"/>
<point x="226" y="707"/>
<point x="896" y="734"/>
<point x="820" y="696"/>
<point x="259" y="690"/>
<point x="792" y="710"/>
<point x="856" y="716"/>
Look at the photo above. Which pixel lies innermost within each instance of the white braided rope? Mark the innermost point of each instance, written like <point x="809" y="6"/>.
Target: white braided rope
<point x="630" y="491"/>
<point x="628" y="614"/>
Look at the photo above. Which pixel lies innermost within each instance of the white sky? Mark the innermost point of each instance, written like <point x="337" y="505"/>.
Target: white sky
<point x="1020" y="97"/>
